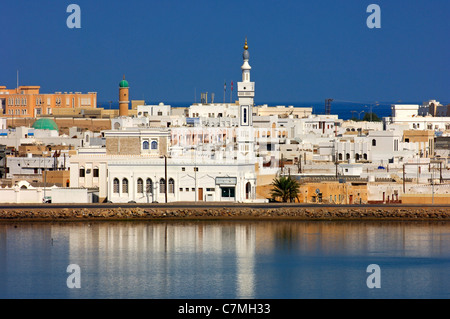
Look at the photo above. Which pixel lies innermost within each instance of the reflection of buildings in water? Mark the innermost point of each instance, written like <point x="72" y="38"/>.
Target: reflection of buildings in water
<point x="349" y="237"/>
<point x="164" y="250"/>
<point x="245" y="252"/>
<point x="247" y="238"/>
<point x="170" y="255"/>
<point x="193" y="251"/>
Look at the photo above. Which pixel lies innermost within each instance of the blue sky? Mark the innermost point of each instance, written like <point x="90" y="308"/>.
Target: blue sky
<point x="300" y="51"/>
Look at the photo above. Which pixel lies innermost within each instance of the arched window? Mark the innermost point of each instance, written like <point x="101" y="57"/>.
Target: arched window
<point x="357" y="157"/>
<point x="116" y="186"/>
<point x="145" y="145"/>
<point x="340" y="156"/>
<point x="154" y="145"/>
<point x="125" y="186"/>
<point x="171" y="186"/>
<point x="140" y="186"/>
<point x="149" y="186"/>
<point x="347" y="156"/>
<point x="162" y="186"/>
<point x="365" y="156"/>
<point x="248" y="190"/>
<point x="374" y="142"/>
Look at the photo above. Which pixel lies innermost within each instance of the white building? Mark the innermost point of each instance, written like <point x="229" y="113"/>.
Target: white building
<point x="282" y="111"/>
<point x="187" y="180"/>
<point x="417" y="118"/>
<point x="214" y="110"/>
<point x="160" y="109"/>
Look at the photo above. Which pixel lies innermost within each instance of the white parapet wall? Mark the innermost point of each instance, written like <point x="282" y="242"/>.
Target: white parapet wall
<point x="24" y="193"/>
<point x="70" y="195"/>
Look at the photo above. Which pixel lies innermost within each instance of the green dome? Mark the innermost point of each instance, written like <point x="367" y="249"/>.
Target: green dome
<point x="123" y="84"/>
<point x="45" y="124"/>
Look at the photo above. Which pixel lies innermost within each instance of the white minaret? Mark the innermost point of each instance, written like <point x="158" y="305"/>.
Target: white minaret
<point x="246" y="91"/>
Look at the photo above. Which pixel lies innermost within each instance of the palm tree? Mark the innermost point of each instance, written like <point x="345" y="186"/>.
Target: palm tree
<point x="286" y="188"/>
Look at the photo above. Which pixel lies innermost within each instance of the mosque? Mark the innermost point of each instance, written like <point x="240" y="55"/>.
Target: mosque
<point x="183" y="163"/>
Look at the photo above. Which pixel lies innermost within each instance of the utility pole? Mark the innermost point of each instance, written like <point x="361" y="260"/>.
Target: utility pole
<point x="432" y="186"/>
<point x="336" y="164"/>
<point x="300" y="163"/>
<point x="404" y="179"/>
<point x="45" y="181"/>
<point x="165" y="177"/>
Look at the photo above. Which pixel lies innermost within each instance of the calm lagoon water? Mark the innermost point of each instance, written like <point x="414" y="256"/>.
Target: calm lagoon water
<point x="225" y="259"/>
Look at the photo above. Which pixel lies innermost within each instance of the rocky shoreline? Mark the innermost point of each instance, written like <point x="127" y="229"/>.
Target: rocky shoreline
<point x="300" y="213"/>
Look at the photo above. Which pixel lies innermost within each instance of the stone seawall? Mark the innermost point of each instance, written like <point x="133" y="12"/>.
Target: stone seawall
<point x="307" y="213"/>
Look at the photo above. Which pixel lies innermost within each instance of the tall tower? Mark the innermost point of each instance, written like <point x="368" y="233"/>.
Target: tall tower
<point x="123" y="97"/>
<point x="246" y="91"/>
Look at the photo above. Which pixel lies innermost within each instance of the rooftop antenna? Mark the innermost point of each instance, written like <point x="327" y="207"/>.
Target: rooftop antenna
<point x="17" y="79"/>
<point x="231" y="91"/>
<point x="328" y="106"/>
<point x="224" y="90"/>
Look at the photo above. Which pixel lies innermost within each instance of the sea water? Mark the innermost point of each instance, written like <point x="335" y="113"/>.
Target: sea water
<point x="225" y="259"/>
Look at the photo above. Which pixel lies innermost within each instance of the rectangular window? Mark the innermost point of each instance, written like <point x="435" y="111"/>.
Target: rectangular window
<point x="228" y="192"/>
<point x="82" y="172"/>
<point x="96" y="172"/>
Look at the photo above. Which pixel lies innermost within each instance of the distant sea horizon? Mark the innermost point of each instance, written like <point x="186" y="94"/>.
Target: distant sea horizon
<point x="344" y="110"/>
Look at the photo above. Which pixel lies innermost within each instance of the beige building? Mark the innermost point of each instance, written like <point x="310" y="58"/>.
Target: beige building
<point x="28" y="101"/>
<point x="424" y="139"/>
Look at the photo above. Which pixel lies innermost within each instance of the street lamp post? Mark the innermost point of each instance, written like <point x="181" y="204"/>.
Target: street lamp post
<point x="359" y="114"/>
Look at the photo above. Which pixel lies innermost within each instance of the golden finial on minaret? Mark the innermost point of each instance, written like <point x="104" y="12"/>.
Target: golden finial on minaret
<point x="245" y="45"/>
